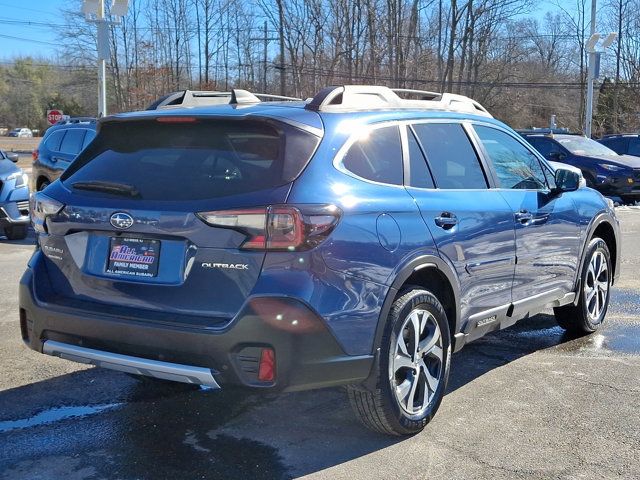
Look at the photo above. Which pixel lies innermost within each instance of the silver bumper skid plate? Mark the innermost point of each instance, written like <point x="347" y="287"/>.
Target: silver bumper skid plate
<point x="136" y="365"/>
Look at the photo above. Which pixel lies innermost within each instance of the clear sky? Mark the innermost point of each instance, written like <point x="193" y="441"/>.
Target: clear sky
<point x="29" y="38"/>
<point x="28" y="27"/>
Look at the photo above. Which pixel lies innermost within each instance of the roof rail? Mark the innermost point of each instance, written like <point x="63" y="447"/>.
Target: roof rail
<point x="368" y="97"/>
<point x="194" y="98"/>
<point x="66" y="121"/>
<point x="546" y="131"/>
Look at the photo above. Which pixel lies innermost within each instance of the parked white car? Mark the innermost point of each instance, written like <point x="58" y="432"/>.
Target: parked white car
<point x="21" y="132"/>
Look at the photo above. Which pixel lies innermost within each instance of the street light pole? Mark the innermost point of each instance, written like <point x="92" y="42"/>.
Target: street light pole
<point x="590" y="75"/>
<point x="103" y="35"/>
<point x="94" y="11"/>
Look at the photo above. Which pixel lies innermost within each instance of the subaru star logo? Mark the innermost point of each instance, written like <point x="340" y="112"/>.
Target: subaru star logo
<point x="121" y="220"/>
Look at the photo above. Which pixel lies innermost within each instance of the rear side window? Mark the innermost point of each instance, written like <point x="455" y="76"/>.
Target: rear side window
<point x="516" y="167"/>
<point x="53" y="141"/>
<point x="193" y="161"/>
<point x="377" y="157"/>
<point x="88" y="136"/>
<point x="419" y="172"/>
<point x="452" y="159"/>
<point x="72" y="141"/>
<point x="634" y="147"/>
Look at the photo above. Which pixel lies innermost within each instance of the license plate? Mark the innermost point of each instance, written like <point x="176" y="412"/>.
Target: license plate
<point x="137" y="257"/>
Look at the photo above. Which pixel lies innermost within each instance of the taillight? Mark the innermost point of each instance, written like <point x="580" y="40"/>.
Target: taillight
<point x="42" y="207"/>
<point x="278" y="227"/>
<point x="35" y="154"/>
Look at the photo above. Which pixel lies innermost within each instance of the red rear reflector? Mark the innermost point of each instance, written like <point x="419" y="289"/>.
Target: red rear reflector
<point x="267" y="371"/>
<point x="176" y="119"/>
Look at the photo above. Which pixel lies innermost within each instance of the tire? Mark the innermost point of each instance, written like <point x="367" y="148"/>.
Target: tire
<point x="629" y="200"/>
<point x="385" y="409"/>
<point x="16" y="232"/>
<point x="587" y="315"/>
<point x="43" y="184"/>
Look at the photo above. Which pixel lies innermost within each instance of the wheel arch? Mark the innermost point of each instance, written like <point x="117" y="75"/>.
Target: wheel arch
<point x="603" y="226"/>
<point x="433" y="274"/>
<point x="40" y="180"/>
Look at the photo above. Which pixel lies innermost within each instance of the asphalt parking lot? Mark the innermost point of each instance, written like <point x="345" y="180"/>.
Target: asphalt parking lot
<point x="527" y="402"/>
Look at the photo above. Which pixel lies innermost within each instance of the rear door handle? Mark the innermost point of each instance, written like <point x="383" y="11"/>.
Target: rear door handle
<point x="446" y="220"/>
<point x="524" y="216"/>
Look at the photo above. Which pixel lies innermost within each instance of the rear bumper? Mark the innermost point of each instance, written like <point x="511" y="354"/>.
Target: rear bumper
<point x="307" y="354"/>
<point x="129" y="364"/>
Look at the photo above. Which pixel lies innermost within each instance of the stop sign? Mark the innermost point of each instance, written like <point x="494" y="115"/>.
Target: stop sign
<point x="54" y="116"/>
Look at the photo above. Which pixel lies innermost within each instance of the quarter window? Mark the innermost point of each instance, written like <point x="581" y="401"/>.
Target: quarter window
<point x="90" y="135"/>
<point x="377" y="157"/>
<point x="516" y="167"/>
<point x="452" y="159"/>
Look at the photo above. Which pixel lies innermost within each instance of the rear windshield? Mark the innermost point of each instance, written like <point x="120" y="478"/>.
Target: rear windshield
<point x="192" y="161"/>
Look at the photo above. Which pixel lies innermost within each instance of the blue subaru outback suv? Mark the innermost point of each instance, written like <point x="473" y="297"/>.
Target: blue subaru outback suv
<point x="357" y="239"/>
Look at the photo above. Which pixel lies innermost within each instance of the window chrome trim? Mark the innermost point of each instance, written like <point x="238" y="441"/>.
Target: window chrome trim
<point x="474" y="140"/>
<point x="354" y="137"/>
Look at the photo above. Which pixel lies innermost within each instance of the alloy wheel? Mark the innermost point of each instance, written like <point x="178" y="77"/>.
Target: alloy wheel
<point x="596" y="286"/>
<point x="417" y="362"/>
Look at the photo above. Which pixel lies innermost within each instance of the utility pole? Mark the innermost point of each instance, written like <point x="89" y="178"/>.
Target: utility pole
<point x="595" y="47"/>
<point x="103" y="44"/>
<point x="94" y="11"/>
<point x="281" y="32"/>
<point x="590" y="74"/>
<point x="616" y="125"/>
<point x="265" y="52"/>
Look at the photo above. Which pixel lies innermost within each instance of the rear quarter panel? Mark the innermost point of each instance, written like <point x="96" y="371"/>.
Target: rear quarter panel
<point x="379" y="231"/>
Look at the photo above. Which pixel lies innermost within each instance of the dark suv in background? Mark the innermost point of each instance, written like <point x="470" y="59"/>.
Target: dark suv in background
<point x="60" y="145"/>
<point x="611" y="174"/>
<point x="358" y="238"/>
<point x="623" y="144"/>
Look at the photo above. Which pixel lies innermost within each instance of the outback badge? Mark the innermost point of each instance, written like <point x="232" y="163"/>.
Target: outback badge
<point x="226" y="266"/>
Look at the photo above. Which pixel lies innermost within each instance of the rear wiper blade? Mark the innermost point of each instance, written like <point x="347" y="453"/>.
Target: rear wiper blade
<point x="108" y="187"/>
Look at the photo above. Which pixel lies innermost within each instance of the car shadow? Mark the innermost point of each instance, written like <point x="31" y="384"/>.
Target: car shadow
<point x="115" y="426"/>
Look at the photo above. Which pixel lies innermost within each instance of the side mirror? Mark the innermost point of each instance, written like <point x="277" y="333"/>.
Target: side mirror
<point x="566" y="180"/>
<point x="557" y="156"/>
<point x="14" y="157"/>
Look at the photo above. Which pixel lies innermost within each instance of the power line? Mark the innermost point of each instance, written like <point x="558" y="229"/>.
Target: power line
<point x="326" y="73"/>
<point x="22" y="39"/>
